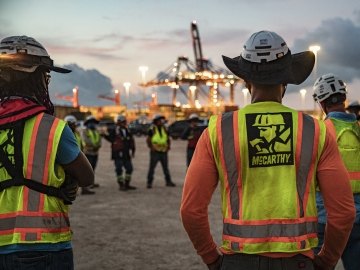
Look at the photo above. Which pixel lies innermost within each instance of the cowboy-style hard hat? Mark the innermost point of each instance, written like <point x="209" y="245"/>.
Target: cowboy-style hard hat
<point x="25" y="54"/>
<point x="266" y="59"/>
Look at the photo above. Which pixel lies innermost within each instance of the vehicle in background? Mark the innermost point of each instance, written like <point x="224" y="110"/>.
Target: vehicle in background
<point x="139" y="127"/>
<point x="177" y="128"/>
<point x="104" y="126"/>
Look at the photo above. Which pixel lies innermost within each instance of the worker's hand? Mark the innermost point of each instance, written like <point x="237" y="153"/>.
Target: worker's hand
<point x="216" y="265"/>
<point x="69" y="191"/>
<point x="319" y="264"/>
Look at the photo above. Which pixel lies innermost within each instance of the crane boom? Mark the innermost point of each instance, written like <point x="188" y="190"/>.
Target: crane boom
<point x="197" y="47"/>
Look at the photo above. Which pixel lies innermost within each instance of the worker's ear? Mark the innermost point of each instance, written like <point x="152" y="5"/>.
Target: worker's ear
<point x="248" y="86"/>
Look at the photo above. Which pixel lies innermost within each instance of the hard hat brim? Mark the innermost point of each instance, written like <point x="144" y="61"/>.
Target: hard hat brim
<point x="290" y="69"/>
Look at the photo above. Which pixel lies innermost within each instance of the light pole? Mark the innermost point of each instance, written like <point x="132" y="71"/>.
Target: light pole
<point x="303" y="94"/>
<point x="143" y="70"/>
<point x="245" y="93"/>
<point x="127" y="87"/>
<point x="315" y="49"/>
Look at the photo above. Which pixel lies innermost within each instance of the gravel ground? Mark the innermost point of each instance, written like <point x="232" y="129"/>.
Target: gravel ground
<point x="141" y="229"/>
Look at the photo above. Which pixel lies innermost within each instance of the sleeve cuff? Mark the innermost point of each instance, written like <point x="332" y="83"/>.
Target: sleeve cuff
<point x="211" y="256"/>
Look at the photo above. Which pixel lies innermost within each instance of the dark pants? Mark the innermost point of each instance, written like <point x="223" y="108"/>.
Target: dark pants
<point x="350" y="257"/>
<point x="121" y="163"/>
<point x="257" y="262"/>
<point x="189" y="155"/>
<point x="92" y="160"/>
<point x="38" y="260"/>
<point x="155" y="157"/>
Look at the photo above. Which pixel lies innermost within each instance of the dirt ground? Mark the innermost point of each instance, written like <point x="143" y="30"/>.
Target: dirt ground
<point x="141" y="229"/>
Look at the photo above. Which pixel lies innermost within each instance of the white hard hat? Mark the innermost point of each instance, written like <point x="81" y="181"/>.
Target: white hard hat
<point x="70" y="119"/>
<point x="120" y="118"/>
<point x="25" y="54"/>
<point x="327" y="85"/>
<point x="193" y="116"/>
<point x="264" y="46"/>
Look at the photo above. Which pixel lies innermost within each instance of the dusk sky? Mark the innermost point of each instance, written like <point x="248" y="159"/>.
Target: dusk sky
<point x="115" y="37"/>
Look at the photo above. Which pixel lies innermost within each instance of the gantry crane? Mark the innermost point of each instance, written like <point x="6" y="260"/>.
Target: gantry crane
<point x="74" y="99"/>
<point x="201" y="77"/>
<point x="115" y="98"/>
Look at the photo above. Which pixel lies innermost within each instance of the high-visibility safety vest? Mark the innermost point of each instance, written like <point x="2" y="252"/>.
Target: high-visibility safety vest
<point x="348" y="140"/>
<point x="94" y="137"/>
<point x="78" y="140"/>
<point x="266" y="156"/>
<point x="27" y="216"/>
<point x="160" y="142"/>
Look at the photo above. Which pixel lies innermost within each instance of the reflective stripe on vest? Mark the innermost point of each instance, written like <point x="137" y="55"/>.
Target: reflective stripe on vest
<point x="37" y="217"/>
<point x="261" y="231"/>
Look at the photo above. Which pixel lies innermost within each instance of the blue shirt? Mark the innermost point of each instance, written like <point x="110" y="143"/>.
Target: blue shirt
<point x="68" y="150"/>
<point x="348" y="117"/>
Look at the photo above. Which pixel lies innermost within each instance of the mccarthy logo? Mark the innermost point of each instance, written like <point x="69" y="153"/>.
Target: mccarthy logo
<point x="270" y="139"/>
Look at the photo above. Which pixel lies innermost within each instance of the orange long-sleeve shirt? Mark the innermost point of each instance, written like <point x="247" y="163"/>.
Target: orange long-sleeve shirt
<point x="202" y="179"/>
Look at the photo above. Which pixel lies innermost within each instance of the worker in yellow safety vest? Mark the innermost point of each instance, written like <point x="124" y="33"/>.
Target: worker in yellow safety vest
<point x="330" y="93"/>
<point x="269" y="159"/>
<point x="158" y="142"/>
<point x="91" y="139"/>
<point x="72" y="123"/>
<point x="41" y="163"/>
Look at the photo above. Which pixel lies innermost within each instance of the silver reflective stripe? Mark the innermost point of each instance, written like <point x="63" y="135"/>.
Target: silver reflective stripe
<point x="307" y="145"/>
<point x="30" y="236"/>
<point x="40" y="152"/>
<point x="227" y="132"/>
<point x="269" y="230"/>
<point x="34" y="222"/>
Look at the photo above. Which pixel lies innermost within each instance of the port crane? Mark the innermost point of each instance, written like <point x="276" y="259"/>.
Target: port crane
<point x="115" y="98"/>
<point x="201" y="77"/>
<point x="74" y="99"/>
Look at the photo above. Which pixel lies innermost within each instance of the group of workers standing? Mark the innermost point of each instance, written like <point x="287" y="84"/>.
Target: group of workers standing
<point x="289" y="183"/>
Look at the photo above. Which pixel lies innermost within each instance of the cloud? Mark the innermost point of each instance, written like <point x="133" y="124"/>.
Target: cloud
<point x="91" y="83"/>
<point x="339" y="40"/>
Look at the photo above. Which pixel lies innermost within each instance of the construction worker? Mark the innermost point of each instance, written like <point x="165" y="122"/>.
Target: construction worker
<point x="92" y="142"/>
<point x="330" y="93"/>
<point x="37" y="151"/>
<point x="159" y="143"/>
<point x="268" y="197"/>
<point x="192" y="135"/>
<point x="72" y="123"/>
<point x="122" y="151"/>
<point x="354" y="107"/>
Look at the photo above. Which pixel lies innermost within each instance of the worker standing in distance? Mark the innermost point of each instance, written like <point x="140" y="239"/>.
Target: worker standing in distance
<point x="158" y="142"/>
<point x="268" y="159"/>
<point x="192" y="134"/>
<point x="92" y="142"/>
<point x="354" y="107"/>
<point x="122" y="152"/>
<point x="330" y="93"/>
<point x="72" y="123"/>
<point x="37" y="151"/>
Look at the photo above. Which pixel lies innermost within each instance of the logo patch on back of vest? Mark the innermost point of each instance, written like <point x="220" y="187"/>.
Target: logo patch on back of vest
<point x="270" y="139"/>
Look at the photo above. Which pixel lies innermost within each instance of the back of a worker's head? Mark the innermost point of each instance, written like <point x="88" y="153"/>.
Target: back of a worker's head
<point x="25" y="69"/>
<point x="266" y="60"/>
<point x="330" y="92"/>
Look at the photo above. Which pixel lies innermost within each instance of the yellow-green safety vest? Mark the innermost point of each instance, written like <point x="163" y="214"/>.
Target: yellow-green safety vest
<point x="27" y="216"/>
<point x="160" y="142"/>
<point x="348" y="140"/>
<point x="266" y="156"/>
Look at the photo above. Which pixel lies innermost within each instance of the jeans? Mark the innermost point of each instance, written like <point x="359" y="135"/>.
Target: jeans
<point x="189" y="155"/>
<point x="258" y="262"/>
<point x="38" y="260"/>
<point x="92" y="160"/>
<point x="121" y="163"/>
<point x="350" y="256"/>
<point x="155" y="157"/>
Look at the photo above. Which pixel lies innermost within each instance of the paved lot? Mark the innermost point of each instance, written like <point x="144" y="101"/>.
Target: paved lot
<point x="136" y="230"/>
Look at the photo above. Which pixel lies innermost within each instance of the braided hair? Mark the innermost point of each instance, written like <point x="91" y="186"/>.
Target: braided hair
<point x="28" y="85"/>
